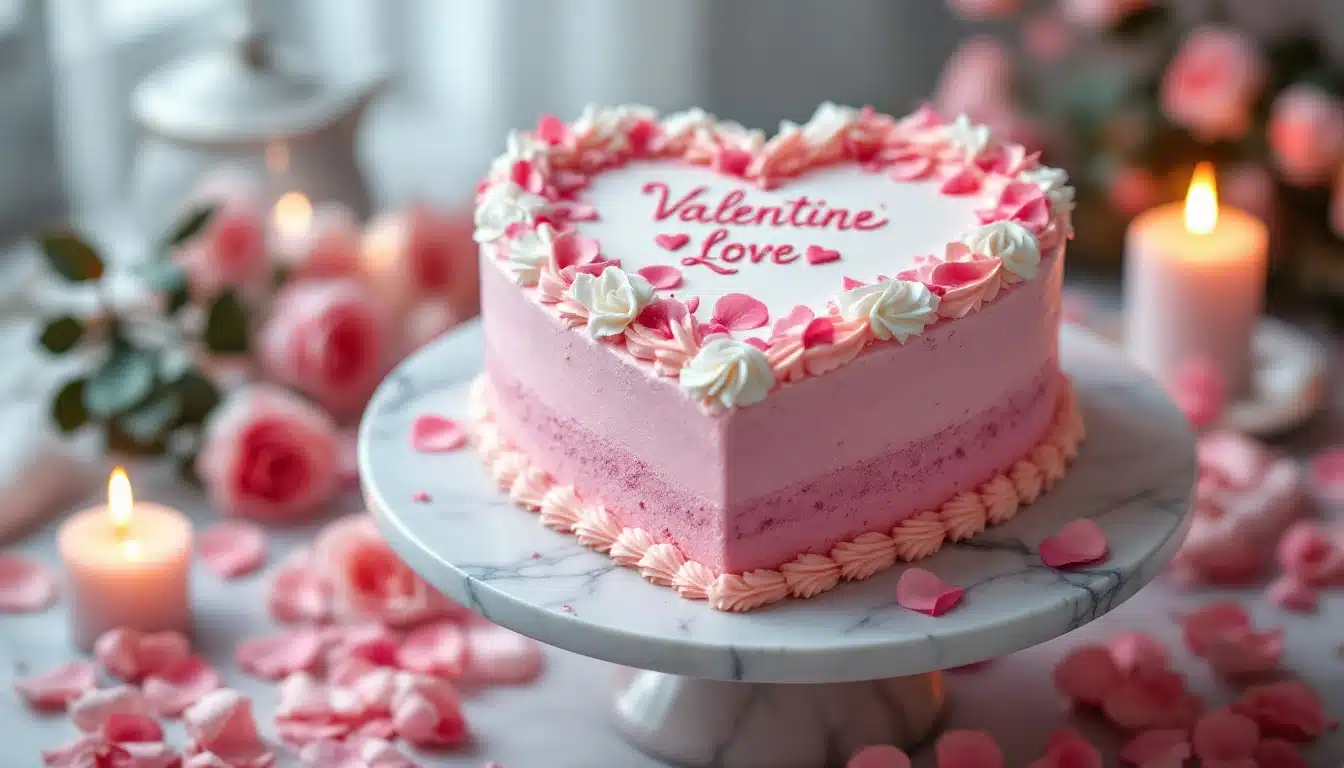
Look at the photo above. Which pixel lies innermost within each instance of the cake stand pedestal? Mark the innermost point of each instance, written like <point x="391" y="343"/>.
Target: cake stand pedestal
<point x="804" y="682"/>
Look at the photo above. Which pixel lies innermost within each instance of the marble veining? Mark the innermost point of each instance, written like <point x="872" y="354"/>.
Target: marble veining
<point x="1134" y="476"/>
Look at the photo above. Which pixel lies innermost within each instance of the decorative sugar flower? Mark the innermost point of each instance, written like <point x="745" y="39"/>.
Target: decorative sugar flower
<point x="828" y="123"/>
<point x="896" y="309"/>
<point x="528" y="253"/>
<point x="503" y="204"/>
<point x="679" y="128"/>
<point x="520" y="147"/>
<point x="613" y="300"/>
<point x="970" y="137"/>
<point x="728" y="371"/>
<point x="1055" y="183"/>
<point x="1009" y="241"/>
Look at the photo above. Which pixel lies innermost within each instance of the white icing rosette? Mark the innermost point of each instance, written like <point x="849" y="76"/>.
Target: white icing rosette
<point x="1009" y="241"/>
<point x="729" y="372"/>
<point x="606" y="128"/>
<point x="895" y="309"/>
<point x="828" y="122"/>
<point x="528" y="253"/>
<point x="1054" y="182"/>
<point x="968" y="136"/>
<point x="502" y="205"/>
<point x="518" y="147"/>
<point x="613" y="300"/>
<point x="680" y="128"/>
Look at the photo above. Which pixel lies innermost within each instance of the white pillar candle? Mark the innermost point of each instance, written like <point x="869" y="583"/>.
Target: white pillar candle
<point x="1194" y="285"/>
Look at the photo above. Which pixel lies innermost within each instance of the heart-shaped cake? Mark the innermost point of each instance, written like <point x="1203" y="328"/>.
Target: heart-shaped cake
<point x="752" y="368"/>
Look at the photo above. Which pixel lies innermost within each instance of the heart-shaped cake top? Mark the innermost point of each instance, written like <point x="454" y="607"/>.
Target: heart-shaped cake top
<point x="734" y="263"/>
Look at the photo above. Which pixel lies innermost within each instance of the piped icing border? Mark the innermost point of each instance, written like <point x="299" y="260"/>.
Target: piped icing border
<point x="561" y="508"/>
<point x="526" y="207"/>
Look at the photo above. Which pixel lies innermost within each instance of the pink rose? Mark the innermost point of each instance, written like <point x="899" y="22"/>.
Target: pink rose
<point x="1213" y="82"/>
<point x="230" y="252"/>
<point x="328" y="248"/>
<point x="421" y="253"/>
<point x="427" y="321"/>
<point x="328" y="339"/>
<point x="1046" y="37"/>
<point x="1101" y="14"/>
<point x="369" y="582"/>
<point x="976" y="80"/>
<point x="269" y="455"/>
<point x="1306" y="133"/>
<point x="980" y="10"/>
<point x="1133" y="190"/>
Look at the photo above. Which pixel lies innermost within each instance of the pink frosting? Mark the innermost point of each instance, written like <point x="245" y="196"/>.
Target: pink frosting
<point x="506" y="468"/>
<point x="629" y="547"/>
<point x="999" y="497"/>
<point x="864" y="555"/>
<point x="809" y="575"/>
<point x="1027" y="480"/>
<point x="919" y="536"/>
<point x="963" y="516"/>
<point x="529" y="487"/>
<point x="660" y="563"/>
<point x="560" y="508"/>
<point x="747" y="591"/>
<point x="693" y="580"/>
<point x="597" y="528"/>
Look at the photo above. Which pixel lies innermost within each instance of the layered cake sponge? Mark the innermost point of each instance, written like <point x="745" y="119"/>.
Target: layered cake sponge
<point x="753" y="367"/>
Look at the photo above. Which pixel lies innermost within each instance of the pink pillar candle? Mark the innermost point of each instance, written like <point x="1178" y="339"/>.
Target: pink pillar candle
<point x="1194" y="286"/>
<point x="127" y="565"/>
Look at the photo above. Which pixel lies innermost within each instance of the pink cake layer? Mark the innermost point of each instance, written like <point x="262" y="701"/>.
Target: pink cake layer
<point x="807" y="516"/>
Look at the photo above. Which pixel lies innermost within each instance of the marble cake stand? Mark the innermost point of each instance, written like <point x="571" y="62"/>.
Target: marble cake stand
<point x="805" y="682"/>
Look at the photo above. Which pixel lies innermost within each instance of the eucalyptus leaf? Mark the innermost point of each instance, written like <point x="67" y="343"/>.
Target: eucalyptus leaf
<point x="199" y="397"/>
<point x="226" y="325"/>
<point x="70" y="257"/>
<point x="190" y="226"/>
<point x="61" y="334"/>
<point x="67" y="408"/>
<point x="152" y="421"/>
<point x="121" y="440"/>
<point x="122" y="383"/>
<point x="163" y="277"/>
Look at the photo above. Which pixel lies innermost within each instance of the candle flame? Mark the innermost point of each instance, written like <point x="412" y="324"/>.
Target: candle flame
<point x="120" y="502"/>
<point x="293" y="214"/>
<point x="1201" y="202"/>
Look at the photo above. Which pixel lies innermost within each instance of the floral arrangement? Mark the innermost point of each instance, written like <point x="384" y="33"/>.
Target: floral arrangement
<point x="244" y="352"/>
<point x="1130" y="94"/>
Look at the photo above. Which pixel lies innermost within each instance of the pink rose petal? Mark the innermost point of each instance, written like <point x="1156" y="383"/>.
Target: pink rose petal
<point x="427" y="713"/>
<point x="1087" y="675"/>
<point x="1312" y="554"/>
<point x="672" y="242"/>
<point x="818" y="332"/>
<point x="1211" y="624"/>
<point x="276" y="656"/>
<point x="25" y="585"/>
<point x="132" y="728"/>
<point x="171" y="690"/>
<point x="55" y="688"/>
<point x="298" y="593"/>
<point x="431" y="433"/>
<point x="661" y="276"/>
<point x="131" y="655"/>
<point x="82" y="752"/>
<point x="1289" y="709"/>
<point x="797" y="318"/>
<point x="922" y="591"/>
<point x="848" y="283"/>
<point x="740" y="312"/>
<point x="1327" y="475"/>
<point x="496" y="655"/>
<point x="1224" y="735"/>
<point x="815" y="254"/>
<point x="1078" y="543"/>
<point x="232" y="549"/>
<point x="879" y="756"/>
<point x="1157" y="748"/>
<point x="1277" y="753"/>
<point x="1151" y="698"/>
<point x="364" y="752"/>
<point x="968" y="749"/>
<point x="221" y="723"/>
<point x="92" y="709"/>
<point x="1134" y="651"/>
<point x="1290" y="594"/>
<point x="373" y="643"/>
<point x="692" y="304"/>
<point x="1068" y="749"/>
<point x="965" y="182"/>
<point x="438" y="649"/>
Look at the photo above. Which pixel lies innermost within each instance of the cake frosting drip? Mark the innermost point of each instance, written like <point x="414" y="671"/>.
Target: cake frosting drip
<point x="994" y="501"/>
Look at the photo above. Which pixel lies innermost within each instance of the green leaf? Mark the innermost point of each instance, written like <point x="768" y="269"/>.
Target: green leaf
<point x="226" y="325"/>
<point x="62" y="334"/>
<point x="152" y="421"/>
<point x="162" y="276"/>
<point x="67" y="408"/>
<point x="70" y="256"/>
<point x="1141" y="23"/>
<point x="199" y="396"/>
<point x="122" y="383"/>
<point x="190" y="225"/>
<point x="121" y="440"/>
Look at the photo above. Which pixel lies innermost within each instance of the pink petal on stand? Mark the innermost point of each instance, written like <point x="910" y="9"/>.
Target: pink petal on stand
<point x="233" y="548"/>
<point x="661" y="276"/>
<point x="277" y="656"/>
<point x="25" y="585"/>
<point x="740" y="312"/>
<point x="171" y="690"/>
<point x="55" y="688"/>
<point x="879" y="756"/>
<point x="1078" y="543"/>
<point x="431" y="433"/>
<point x="922" y="591"/>
<point x="968" y="749"/>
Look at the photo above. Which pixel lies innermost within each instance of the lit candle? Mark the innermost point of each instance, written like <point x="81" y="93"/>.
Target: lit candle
<point x="1194" y="284"/>
<point x="320" y="241"/>
<point x="127" y="565"/>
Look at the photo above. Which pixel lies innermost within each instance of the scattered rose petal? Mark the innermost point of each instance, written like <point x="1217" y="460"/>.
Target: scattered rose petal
<point x="1224" y="735"/>
<point x="1222" y="634"/>
<point x="431" y="433"/>
<point x="1311" y="554"/>
<point x="132" y="728"/>
<point x="438" y="649"/>
<point x="1133" y="651"/>
<point x="420" y="497"/>
<point x="277" y="656"/>
<point x="131" y="655"/>
<point x="55" y="688"/>
<point x="1151" y="698"/>
<point x="353" y="753"/>
<point x="1088" y="675"/>
<point x="1327" y="475"/>
<point x="25" y="586"/>
<point x="171" y="690"/>
<point x="1068" y="749"/>
<point x="427" y="713"/>
<point x="297" y="593"/>
<point x="815" y="254"/>
<point x="1157" y="748"/>
<point x="221" y="723"/>
<point x="1288" y="709"/>
<point x="740" y="312"/>
<point x="373" y="643"/>
<point x="1277" y="753"/>
<point x="1209" y="625"/>
<point x="91" y="710"/>
<point x="1290" y="594"/>
<point x="968" y="749"/>
<point x="83" y="751"/>
<point x="1078" y="543"/>
<point x="879" y="756"/>
<point x="1199" y="390"/>
<point x="232" y="549"/>
<point x="497" y="655"/>
<point x="670" y="242"/>
<point x="922" y="591"/>
<point x="661" y="276"/>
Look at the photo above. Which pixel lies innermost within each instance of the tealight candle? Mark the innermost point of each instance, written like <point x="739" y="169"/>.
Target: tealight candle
<point x="1194" y="285"/>
<point x="127" y="565"/>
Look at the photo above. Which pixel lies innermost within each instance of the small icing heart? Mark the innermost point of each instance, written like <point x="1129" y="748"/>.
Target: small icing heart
<point x="816" y="254"/>
<point x="672" y="242"/>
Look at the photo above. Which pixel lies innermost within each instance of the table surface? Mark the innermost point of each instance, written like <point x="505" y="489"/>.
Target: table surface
<point x="561" y="721"/>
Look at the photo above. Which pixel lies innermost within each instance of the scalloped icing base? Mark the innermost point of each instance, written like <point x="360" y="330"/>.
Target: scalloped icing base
<point x="960" y="517"/>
